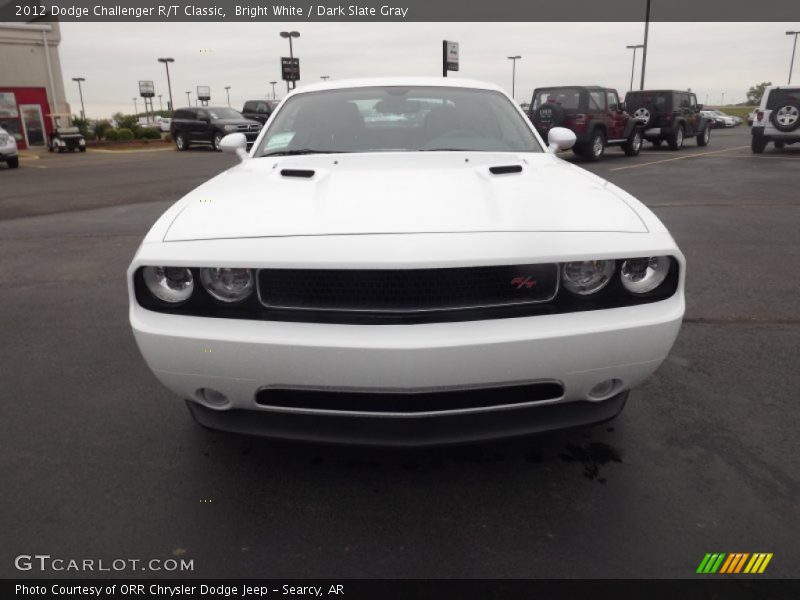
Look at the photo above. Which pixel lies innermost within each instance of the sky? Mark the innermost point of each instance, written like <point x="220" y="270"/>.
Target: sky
<point x="709" y="58"/>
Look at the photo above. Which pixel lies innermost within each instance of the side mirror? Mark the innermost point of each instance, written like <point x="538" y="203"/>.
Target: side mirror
<point x="234" y="143"/>
<point x="699" y="107"/>
<point x="560" y="138"/>
<point x="622" y="107"/>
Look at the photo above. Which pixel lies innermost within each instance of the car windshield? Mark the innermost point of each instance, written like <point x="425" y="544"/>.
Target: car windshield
<point x="398" y="119"/>
<point x="224" y="113"/>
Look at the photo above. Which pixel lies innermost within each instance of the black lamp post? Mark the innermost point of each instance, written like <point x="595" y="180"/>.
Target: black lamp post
<point x="166" y="61"/>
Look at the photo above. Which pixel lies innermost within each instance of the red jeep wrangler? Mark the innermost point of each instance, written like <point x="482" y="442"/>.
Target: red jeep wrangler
<point x="593" y="113"/>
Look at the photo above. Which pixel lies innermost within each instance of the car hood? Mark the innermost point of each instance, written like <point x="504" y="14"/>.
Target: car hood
<point x="388" y="193"/>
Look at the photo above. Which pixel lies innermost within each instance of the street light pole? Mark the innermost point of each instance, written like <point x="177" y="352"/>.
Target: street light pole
<point x="633" y="65"/>
<point x="794" y="49"/>
<point x="513" y="60"/>
<point x="723" y="99"/>
<point x="228" y="91"/>
<point x="166" y="61"/>
<point x="189" y="98"/>
<point x="644" y="46"/>
<point x="135" y="107"/>
<point x="272" y="83"/>
<point x="80" y="91"/>
<point x="160" y="105"/>
<point x="290" y="35"/>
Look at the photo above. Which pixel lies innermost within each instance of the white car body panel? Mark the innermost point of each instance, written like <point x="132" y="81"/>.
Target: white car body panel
<point x="404" y="210"/>
<point x="765" y="122"/>
<point x="9" y="148"/>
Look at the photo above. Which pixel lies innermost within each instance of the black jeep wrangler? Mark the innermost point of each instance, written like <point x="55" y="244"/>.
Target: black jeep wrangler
<point x="669" y="115"/>
<point x="593" y="113"/>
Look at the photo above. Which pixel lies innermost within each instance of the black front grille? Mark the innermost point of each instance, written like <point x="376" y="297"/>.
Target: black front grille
<point x="407" y="291"/>
<point x="410" y="403"/>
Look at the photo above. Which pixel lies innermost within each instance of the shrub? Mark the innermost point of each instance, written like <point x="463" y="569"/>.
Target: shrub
<point x="112" y="135"/>
<point x="82" y="125"/>
<point x="149" y="133"/>
<point x="124" y="134"/>
<point x="101" y="127"/>
<point x="126" y="121"/>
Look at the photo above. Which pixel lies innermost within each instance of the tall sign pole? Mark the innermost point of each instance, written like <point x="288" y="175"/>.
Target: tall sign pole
<point x="449" y="57"/>
<point x="644" y="50"/>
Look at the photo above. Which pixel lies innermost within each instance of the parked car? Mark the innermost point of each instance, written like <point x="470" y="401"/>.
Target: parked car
<point x="8" y="149"/>
<point x="721" y="120"/>
<point x="259" y="110"/>
<point x="66" y="139"/>
<point x="777" y="118"/>
<point x="593" y="113"/>
<point x="437" y="278"/>
<point x="208" y="125"/>
<point x="669" y="116"/>
<point x="163" y="123"/>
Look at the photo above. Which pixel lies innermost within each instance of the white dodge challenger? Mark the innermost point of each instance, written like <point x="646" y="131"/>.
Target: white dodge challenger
<point x="404" y="261"/>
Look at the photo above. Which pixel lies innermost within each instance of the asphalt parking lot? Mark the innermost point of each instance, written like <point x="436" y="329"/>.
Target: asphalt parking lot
<point x="99" y="461"/>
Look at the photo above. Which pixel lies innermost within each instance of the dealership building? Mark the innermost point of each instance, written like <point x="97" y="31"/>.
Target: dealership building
<point x="31" y="83"/>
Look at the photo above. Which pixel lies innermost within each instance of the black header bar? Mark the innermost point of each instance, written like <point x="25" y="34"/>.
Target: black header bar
<point x="685" y="11"/>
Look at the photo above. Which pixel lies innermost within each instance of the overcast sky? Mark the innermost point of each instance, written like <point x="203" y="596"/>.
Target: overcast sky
<point x="709" y="58"/>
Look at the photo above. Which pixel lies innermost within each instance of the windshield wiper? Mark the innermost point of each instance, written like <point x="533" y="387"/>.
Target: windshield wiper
<point x="303" y="151"/>
<point x="447" y="150"/>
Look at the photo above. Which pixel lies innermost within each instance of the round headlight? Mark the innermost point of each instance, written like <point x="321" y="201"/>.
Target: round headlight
<point x="227" y="285"/>
<point x="587" y="276"/>
<point x="642" y="275"/>
<point x="169" y="284"/>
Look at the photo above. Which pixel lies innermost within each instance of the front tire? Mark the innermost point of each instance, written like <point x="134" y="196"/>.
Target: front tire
<point x="780" y="145"/>
<point x="180" y="142"/>
<point x="704" y="136"/>
<point x="13" y="163"/>
<point x="676" y="140"/>
<point x="216" y="141"/>
<point x="634" y="144"/>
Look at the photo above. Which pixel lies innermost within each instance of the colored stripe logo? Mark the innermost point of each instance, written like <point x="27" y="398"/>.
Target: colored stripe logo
<point x="734" y="563"/>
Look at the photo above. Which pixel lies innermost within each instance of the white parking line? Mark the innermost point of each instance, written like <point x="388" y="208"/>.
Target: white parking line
<point x="685" y="156"/>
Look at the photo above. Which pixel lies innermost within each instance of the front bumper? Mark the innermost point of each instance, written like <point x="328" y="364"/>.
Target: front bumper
<point x="238" y="358"/>
<point x="410" y="431"/>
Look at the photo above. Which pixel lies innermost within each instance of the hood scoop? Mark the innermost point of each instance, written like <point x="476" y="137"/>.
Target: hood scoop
<point x="299" y="173"/>
<point x="505" y="169"/>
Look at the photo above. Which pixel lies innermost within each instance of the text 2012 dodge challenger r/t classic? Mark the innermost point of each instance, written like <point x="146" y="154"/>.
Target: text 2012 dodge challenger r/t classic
<point x="404" y="261"/>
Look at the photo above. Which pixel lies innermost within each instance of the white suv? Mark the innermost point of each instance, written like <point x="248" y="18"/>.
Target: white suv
<point x="8" y="149"/>
<point x="777" y="119"/>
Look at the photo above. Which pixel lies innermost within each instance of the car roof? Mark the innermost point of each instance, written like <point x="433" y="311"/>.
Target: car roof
<point x="660" y="91"/>
<point x="449" y="82"/>
<point x="585" y="87"/>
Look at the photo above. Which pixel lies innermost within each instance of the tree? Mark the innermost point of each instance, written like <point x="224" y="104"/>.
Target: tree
<point x="82" y="125"/>
<point x="754" y="93"/>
